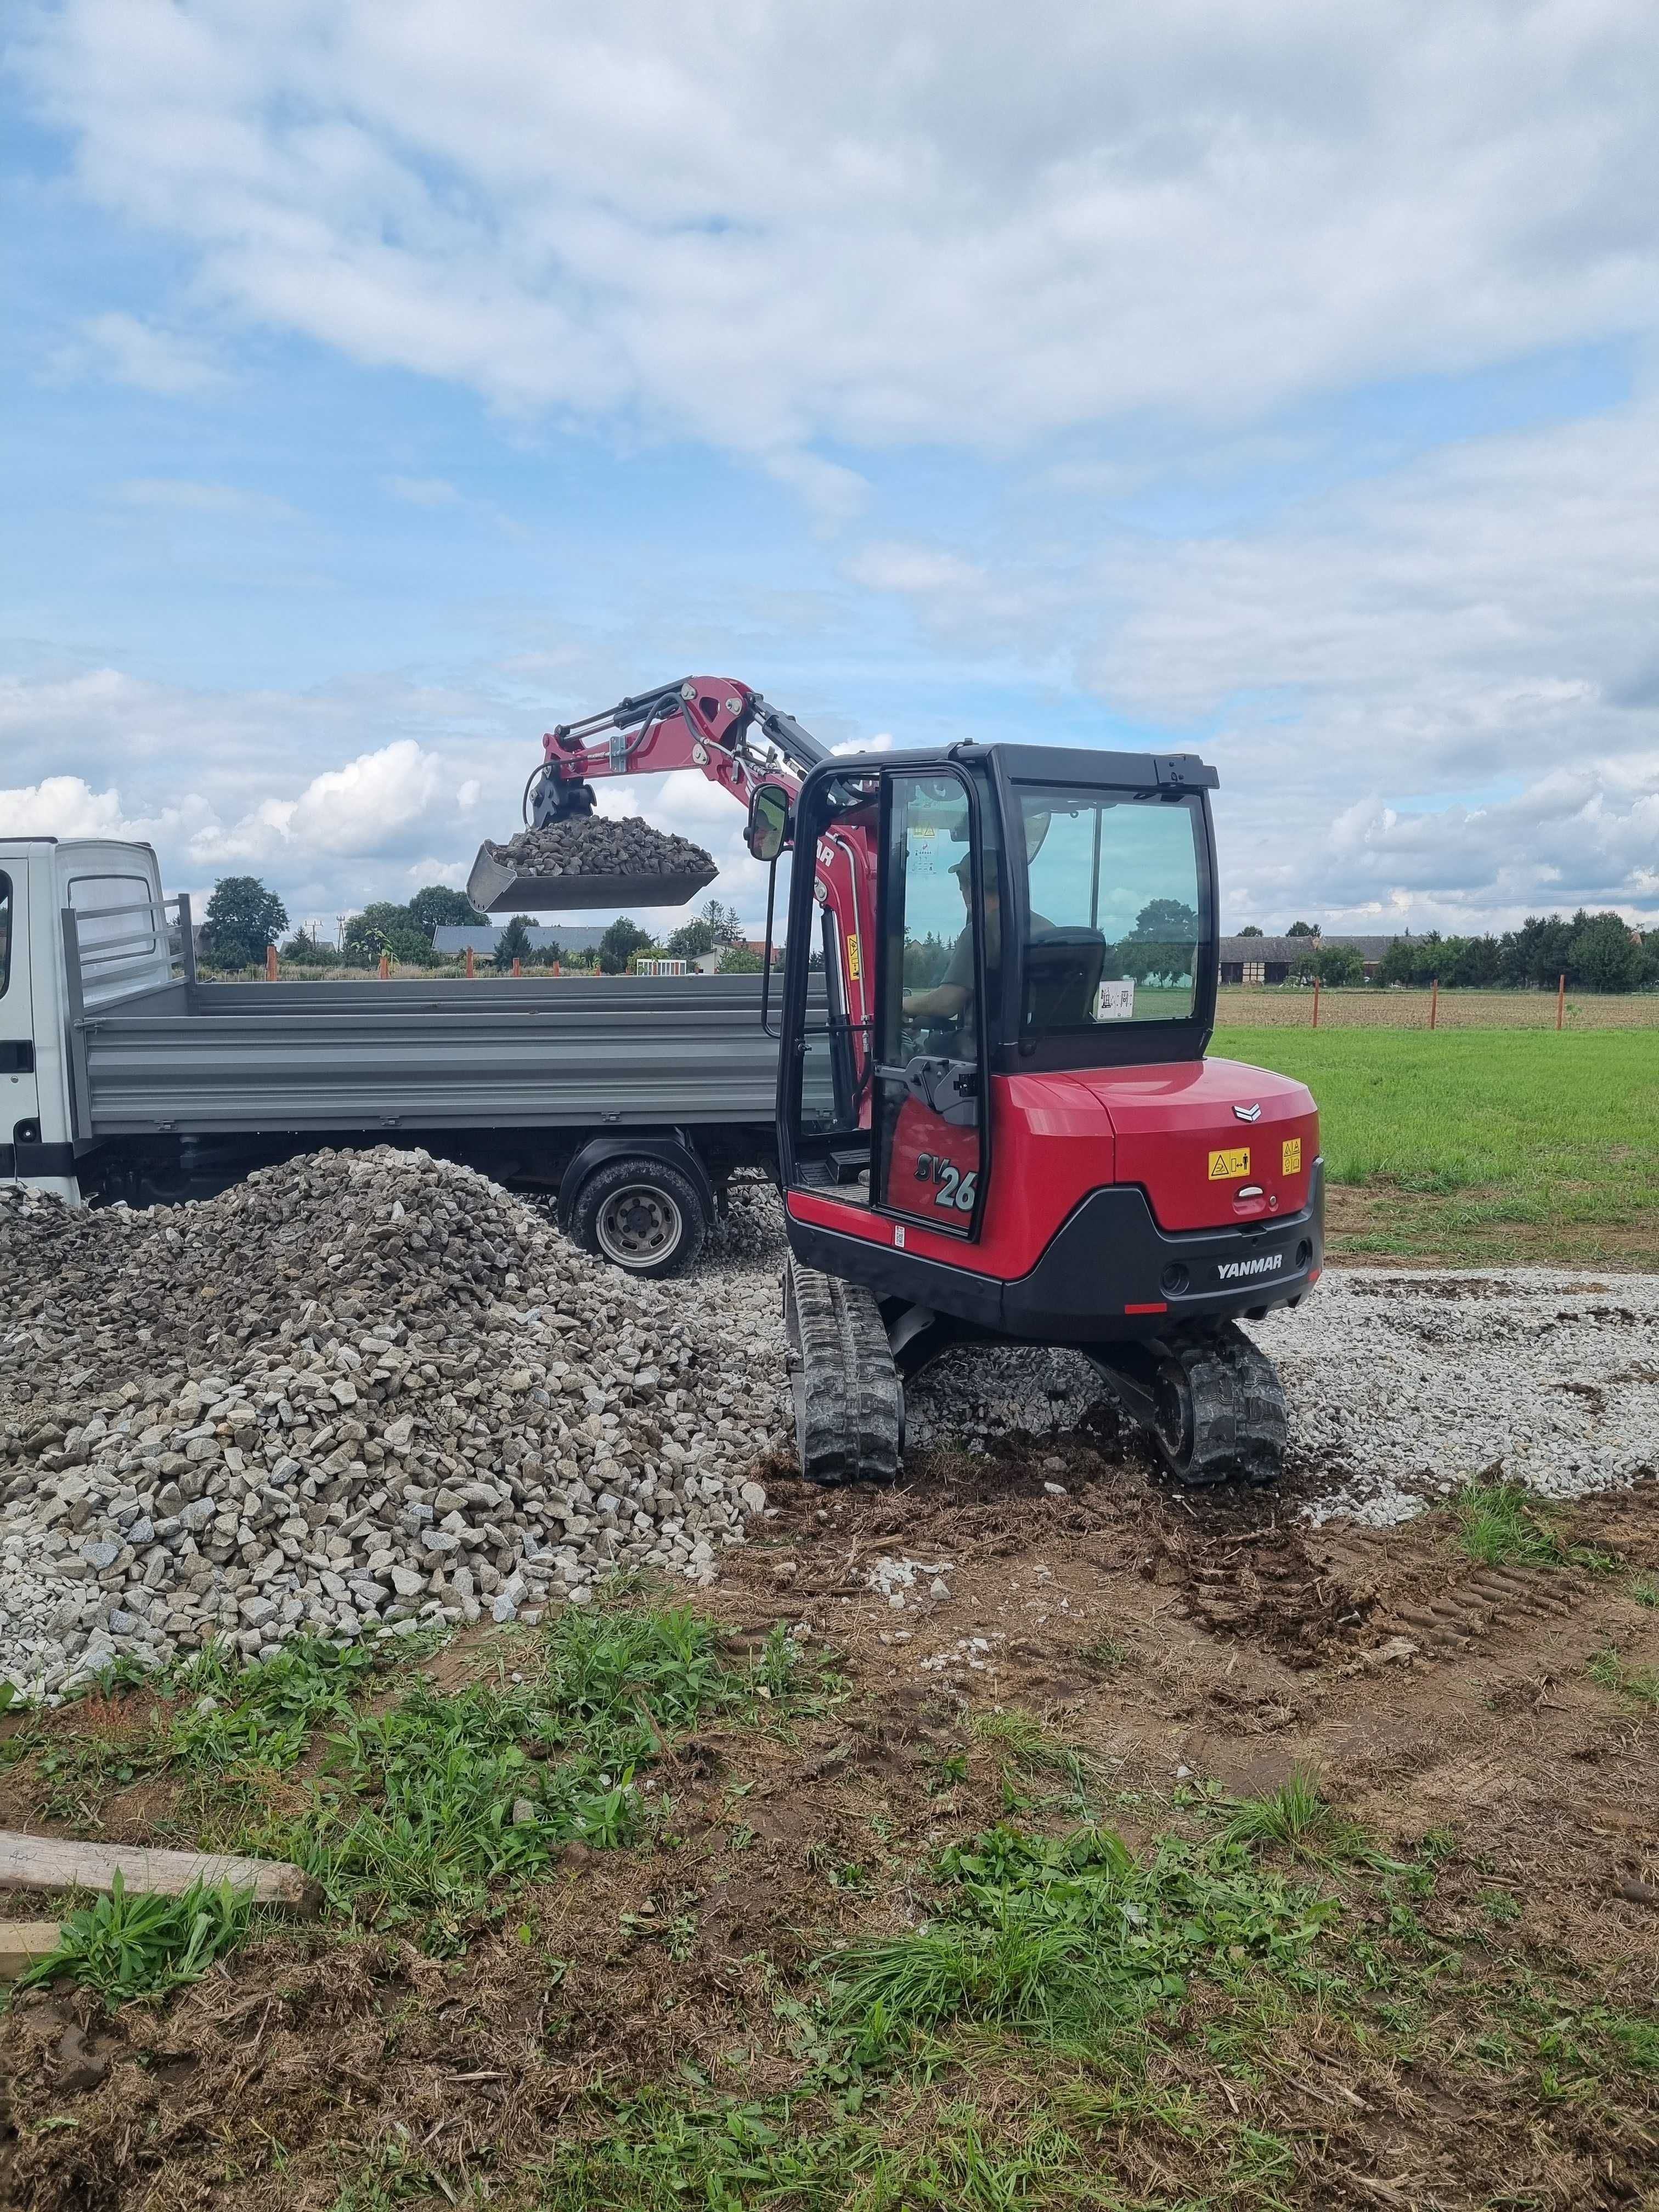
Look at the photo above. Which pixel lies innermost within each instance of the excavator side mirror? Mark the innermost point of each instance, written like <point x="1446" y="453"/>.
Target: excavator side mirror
<point x="769" y="824"/>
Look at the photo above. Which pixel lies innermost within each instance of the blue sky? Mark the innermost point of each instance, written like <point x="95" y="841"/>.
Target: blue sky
<point x="385" y="383"/>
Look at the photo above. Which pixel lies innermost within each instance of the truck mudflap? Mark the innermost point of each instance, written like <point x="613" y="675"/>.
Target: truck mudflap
<point x="35" y="1166"/>
<point x="1108" y="1273"/>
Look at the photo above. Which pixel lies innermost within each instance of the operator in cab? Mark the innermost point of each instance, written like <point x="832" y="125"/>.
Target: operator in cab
<point x="949" y="999"/>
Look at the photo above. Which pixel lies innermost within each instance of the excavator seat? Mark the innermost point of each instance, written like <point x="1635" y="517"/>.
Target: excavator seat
<point x="1062" y="975"/>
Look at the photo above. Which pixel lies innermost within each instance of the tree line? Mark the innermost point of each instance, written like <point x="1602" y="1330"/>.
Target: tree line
<point x="244" y="917"/>
<point x="1593" y="951"/>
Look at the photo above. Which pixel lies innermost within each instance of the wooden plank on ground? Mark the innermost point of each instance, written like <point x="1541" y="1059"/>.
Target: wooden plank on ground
<point x="55" y="1862"/>
<point x="23" y="1942"/>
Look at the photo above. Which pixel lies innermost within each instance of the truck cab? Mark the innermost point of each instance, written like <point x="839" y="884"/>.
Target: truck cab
<point x="126" y="943"/>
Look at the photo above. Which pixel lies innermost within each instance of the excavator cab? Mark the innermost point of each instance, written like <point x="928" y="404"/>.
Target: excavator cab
<point x="1026" y="912"/>
<point x="996" y="1119"/>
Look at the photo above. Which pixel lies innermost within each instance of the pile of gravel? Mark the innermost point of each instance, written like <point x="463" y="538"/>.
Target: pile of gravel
<point x="596" y="845"/>
<point x="359" y="1389"/>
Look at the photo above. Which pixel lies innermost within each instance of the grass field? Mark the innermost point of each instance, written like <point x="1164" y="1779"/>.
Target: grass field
<point x="1285" y="1007"/>
<point x="1481" y="1148"/>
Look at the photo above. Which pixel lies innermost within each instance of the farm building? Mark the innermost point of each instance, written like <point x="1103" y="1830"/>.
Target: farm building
<point x="1274" y="959"/>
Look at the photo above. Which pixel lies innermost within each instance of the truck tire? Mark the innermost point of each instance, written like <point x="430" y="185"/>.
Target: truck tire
<point x="642" y="1215"/>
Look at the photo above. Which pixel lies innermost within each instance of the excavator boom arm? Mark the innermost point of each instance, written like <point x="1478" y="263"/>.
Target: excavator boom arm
<point x="707" y="722"/>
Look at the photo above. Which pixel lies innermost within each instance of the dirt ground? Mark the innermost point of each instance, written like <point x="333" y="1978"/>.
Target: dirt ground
<point x="1184" y="1647"/>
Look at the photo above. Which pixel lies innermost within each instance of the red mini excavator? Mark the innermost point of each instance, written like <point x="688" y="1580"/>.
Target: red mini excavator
<point x="996" y="1121"/>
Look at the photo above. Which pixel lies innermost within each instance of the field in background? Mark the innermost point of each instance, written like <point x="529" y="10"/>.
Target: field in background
<point x="1285" y="1006"/>
<point x="1481" y="1149"/>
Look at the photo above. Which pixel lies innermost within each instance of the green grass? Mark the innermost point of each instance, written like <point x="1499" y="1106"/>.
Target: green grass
<point x="1502" y="1524"/>
<point x="1484" y="1145"/>
<point x="1610" y="1670"/>
<point x="264" y="1716"/>
<point x="131" y="1944"/>
<point x="1645" y="1590"/>
<point x="413" y="1820"/>
<point x="667" y="2155"/>
<point x="419" y="1804"/>
<point x="1029" y="1752"/>
<point x="1300" y="1818"/>
<point x="1072" y="1942"/>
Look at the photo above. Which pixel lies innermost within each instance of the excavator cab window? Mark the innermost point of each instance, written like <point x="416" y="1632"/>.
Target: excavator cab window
<point x="940" y="939"/>
<point x="1112" y="884"/>
<point x="827" y="1091"/>
<point x="1112" y="922"/>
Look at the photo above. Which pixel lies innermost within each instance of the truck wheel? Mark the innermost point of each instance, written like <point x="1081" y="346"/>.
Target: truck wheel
<point x="642" y="1215"/>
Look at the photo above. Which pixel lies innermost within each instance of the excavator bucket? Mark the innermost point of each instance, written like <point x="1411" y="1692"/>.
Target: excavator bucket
<point x="497" y="886"/>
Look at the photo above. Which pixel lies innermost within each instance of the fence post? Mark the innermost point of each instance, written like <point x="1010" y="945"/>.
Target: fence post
<point x="469" y="964"/>
<point x="386" y="966"/>
<point x="1434" y="1001"/>
<point x="271" y="964"/>
<point x="1560" y="1000"/>
<point x="1316" y="1018"/>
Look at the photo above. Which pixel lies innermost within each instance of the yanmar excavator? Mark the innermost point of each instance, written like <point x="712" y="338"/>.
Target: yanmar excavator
<point x="997" y="1121"/>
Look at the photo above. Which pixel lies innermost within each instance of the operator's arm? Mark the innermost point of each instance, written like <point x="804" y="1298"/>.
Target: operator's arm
<point x="945" y="1000"/>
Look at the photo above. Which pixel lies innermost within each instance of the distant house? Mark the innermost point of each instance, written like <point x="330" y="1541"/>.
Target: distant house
<point x="1275" y="959"/>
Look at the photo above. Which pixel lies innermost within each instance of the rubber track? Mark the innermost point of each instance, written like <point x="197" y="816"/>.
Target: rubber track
<point x="849" y="1400"/>
<point x="1239" y="1415"/>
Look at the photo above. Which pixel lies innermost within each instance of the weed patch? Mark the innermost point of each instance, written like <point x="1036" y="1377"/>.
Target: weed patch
<point x="1069" y="1942"/>
<point x="1639" y="1685"/>
<point x="662" y="2155"/>
<point x="139" y="1945"/>
<point x="1300" y="1817"/>
<point x="1029" y="1752"/>
<point x="1501" y="1525"/>
<point x="264" y="1716"/>
<point x="422" y="1808"/>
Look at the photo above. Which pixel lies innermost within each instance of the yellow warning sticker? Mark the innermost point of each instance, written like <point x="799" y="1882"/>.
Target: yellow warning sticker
<point x="1292" y="1162"/>
<point x="1229" y="1167"/>
<point x="852" y="958"/>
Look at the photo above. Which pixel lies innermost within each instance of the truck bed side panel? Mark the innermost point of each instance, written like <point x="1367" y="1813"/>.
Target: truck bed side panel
<point x="558" y="1051"/>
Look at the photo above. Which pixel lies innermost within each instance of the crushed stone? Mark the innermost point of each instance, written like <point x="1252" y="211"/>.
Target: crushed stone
<point x="1403" y="1385"/>
<point x="363" y="1391"/>
<point x="358" y="1391"/>
<point x="605" y="845"/>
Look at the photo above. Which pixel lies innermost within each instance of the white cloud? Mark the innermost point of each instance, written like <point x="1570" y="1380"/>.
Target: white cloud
<point x="359" y="809"/>
<point x="188" y="498"/>
<point x="62" y="807"/>
<point x="1439" y="684"/>
<point x="1577" y="836"/>
<point x="779" y="226"/>
<point x="130" y="351"/>
<point x="423" y="491"/>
